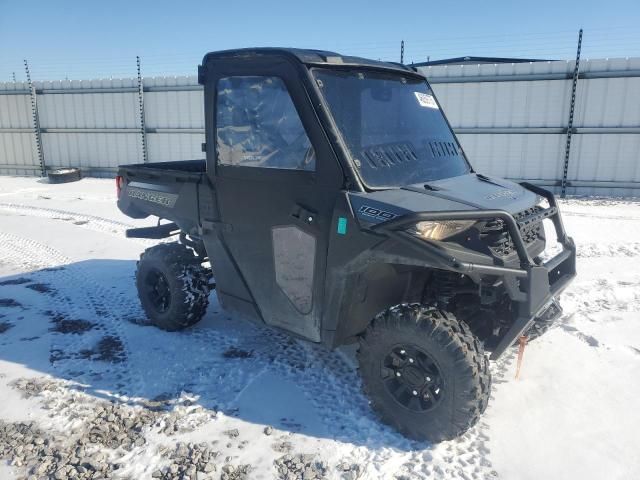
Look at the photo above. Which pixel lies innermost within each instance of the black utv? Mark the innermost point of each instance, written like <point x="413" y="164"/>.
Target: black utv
<point x="336" y="203"/>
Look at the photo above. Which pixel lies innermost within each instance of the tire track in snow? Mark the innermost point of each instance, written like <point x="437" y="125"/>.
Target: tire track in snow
<point x="601" y="295"/>
<point x="332" y="385"/>
<point x="325" y="378"/>
<point x="569" y="213"/>
<point x="595" y="250"/>
<point x="13" y="252"/>
<point x="77" y="288"/>
<point x="81" y="220"/>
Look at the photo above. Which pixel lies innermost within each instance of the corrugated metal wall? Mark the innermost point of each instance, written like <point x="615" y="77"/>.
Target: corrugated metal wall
<point x="93" y="131"/>
<point x="510" y="118"/>
<point x="18" y="154"/>
<point x="174" y="111"/>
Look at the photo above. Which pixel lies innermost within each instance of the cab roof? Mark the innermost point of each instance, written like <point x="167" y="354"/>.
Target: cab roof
<point x="306" y="56"/>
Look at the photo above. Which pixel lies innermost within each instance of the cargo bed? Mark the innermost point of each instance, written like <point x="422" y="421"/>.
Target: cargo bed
<point x="168" y="190"/>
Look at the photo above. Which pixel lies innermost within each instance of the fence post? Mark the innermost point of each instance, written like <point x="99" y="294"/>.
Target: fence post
<point x="143" y="128"/>
<point x="36" y="121"/>
<point x="574" y="86"/>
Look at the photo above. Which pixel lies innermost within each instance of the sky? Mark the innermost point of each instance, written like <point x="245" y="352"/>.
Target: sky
<point x="101" y="39"/>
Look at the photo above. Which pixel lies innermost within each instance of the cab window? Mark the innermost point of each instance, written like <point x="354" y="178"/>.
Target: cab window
<point x="257" y="125"/>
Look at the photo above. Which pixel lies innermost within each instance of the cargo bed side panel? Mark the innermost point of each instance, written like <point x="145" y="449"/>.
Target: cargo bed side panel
<point x="167" y="194"/>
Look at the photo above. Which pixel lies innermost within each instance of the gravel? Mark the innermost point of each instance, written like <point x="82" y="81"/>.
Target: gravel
<point x="177" y="422"/>
<point x="232" y="433"/>
<point x="349" y="471"/>
<point x="106" y="426"/>
<point x="182" y="415"/>
<point x="283" y="446"/>
<point x="31" y="387"/>
<point x="105" y="432"/>
<point x="51" y="457"/>
<point x="300" y="467"/>
<point x="78" y="453"/>
<point x="189" y="461"/>
<point x="119" y="426"/>
<point x="109" y="424"/>
<point x="232" y="472"/>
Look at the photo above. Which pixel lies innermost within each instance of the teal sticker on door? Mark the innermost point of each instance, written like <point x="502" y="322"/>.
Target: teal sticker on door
<point x="342" y="225"/>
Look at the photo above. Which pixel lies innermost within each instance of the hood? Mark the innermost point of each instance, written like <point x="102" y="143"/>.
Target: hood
<point x="466" y="192"/>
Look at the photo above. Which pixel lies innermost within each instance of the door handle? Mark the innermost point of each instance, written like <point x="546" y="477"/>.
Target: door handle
<point x="304" y="215"/>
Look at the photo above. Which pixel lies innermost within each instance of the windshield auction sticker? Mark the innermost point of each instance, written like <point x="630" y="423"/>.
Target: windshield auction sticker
<point x="426" y="100"/>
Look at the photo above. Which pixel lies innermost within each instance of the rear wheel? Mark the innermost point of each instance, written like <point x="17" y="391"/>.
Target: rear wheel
<point x="173" y="286"/>
<point x="424" y="371"/>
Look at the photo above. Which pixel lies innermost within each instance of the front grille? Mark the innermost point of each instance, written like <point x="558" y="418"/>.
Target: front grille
<point x="496" y="235"/>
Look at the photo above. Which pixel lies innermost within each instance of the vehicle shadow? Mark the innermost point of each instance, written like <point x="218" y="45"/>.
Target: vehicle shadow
<point x="82" y="323"/>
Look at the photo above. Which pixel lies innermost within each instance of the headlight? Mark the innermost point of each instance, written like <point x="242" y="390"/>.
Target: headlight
<point x="439" y="230"/>
<point x="542" y="202"/>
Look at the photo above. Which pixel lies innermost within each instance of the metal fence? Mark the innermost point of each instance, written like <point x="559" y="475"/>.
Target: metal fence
<point x="512" y="120"/>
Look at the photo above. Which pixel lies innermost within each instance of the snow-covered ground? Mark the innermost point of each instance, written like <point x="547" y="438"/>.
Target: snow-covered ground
<point x="81" y="372"/>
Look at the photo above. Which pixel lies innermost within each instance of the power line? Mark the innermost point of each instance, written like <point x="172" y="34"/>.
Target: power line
<point x="557" y="45"/>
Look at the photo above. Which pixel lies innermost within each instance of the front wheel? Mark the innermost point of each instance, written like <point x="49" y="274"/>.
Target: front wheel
<point x="173" y="286"/>
<point x="424" y="372"/>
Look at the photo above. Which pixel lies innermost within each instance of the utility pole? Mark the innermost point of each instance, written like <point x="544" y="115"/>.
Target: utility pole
<point x="402" y="51"/>
<point x="574" y="87"/>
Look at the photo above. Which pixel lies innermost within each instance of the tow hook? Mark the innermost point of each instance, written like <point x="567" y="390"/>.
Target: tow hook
<point x="522" y="341"/>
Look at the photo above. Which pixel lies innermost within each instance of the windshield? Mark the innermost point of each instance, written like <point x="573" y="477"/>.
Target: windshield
<point x="392" y="126"/>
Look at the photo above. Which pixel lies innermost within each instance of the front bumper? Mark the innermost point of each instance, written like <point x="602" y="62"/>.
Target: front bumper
<point x="532" y="286"/>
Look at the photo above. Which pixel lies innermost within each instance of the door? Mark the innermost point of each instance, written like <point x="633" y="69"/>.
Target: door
<point x="276" y="182"/>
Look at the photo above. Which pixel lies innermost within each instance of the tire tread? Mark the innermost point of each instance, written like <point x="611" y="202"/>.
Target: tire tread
<point x="183" y="265"/>
<point x="453" y="336"/>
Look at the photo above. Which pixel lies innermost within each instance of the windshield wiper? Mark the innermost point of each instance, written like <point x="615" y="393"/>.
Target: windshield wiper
<point x="486" y="179"/>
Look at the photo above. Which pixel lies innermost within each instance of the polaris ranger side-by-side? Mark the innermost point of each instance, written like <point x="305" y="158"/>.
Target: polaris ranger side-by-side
<point x="336" y="203"/>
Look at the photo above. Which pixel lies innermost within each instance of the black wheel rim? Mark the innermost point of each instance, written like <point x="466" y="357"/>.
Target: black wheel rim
<point x="158" y="291"/>
<point x="412" y="378"/>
